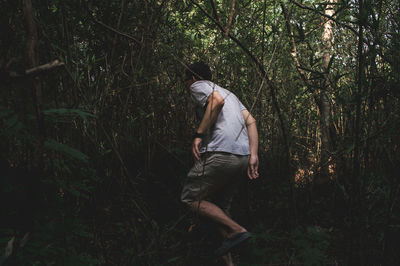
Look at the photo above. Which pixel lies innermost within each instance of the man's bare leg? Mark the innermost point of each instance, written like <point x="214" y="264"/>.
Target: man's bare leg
<point x="213" y="212"/>
<point x="227" y="258"/>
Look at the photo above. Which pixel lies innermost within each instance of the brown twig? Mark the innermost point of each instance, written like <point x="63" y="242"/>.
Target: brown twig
<point x="116" y="31"/>
<point x="34" y="71"/>
<point x="325" y="15"/>
<point x="293" y="54"/>
<point x="293" y="48"/>
<point x="214" y="10"/>
<point x="32" y="60"/>
<point x="228" y="26"/>
<point x="115" y="35"/>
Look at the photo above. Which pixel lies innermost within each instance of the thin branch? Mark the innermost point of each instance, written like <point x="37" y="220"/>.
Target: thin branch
<point x="115" y="35"/>
<point x="325" y="15"/>
<point x="263" y="32"/>
<point x="228" y="26"/>
<point x="293" y="54"/>
<point x="36" y="70"/>
<point x="116" y="31"/>
<point x="32" y="60"/>
<point x="214" y="10"/>
<point x="259" y="91"/>
<point x="259" y="65"/>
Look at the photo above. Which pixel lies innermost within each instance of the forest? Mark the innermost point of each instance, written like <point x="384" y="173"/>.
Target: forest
<point x="96" y="129"/>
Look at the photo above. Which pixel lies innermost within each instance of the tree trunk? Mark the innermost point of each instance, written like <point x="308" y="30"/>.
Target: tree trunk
<point x="327" y="39"/>
<point x="32" y="62"/>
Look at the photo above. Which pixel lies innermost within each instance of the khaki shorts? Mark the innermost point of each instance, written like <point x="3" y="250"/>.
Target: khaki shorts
<point x="215" y="178"/>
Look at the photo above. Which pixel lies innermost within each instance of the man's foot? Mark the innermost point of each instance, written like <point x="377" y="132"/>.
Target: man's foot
<point x="232" y="242"/>
<point x="235" y="232"/>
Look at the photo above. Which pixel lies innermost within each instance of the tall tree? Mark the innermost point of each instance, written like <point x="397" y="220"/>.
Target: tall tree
<point x="325" y="91"/>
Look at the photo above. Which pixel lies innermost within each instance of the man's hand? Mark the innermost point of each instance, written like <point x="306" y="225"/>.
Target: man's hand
<point x="252" y="169"/>
<point x="196" y="147"/>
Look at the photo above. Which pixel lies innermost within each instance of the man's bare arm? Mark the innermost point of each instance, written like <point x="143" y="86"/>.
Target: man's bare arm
<point x="215" y="102"/>
<point x="251" y="126"/>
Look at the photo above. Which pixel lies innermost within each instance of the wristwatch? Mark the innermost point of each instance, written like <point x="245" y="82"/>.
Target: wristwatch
<point x="198" y="135"/>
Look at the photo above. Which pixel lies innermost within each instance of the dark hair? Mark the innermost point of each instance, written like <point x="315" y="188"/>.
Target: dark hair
<point x="199" y="70"/>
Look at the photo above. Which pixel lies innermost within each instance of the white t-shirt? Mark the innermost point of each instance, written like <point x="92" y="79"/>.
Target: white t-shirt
<point x="229" y="133"/>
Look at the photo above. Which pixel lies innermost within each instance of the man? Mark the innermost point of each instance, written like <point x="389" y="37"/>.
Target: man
<point x="225" y="145"/>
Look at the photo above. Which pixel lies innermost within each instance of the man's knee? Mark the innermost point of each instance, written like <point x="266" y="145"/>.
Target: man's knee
<point x="189" y="202"/>
<point x="187" y="197"/>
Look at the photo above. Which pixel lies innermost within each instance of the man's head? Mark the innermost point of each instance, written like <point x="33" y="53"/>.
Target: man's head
<point x="198" y="71"/>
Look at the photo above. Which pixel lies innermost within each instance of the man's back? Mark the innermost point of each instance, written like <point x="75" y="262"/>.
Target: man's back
<point x="229" y="133"/>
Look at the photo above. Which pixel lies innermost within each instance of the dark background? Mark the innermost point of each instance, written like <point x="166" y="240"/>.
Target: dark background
<point x="94" y="147"/>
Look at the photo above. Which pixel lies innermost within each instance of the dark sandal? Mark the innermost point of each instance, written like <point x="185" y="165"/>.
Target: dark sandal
<point x="230" y="243"/>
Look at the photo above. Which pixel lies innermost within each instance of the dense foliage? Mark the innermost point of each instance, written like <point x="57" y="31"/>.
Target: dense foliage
<point x="95" y="145"/>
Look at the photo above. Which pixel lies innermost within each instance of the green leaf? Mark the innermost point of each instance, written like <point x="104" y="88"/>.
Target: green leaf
<point x="66" y="150"/>
<point x="4" y="112"/>
<point x="350" y="148"/>
<point x="68" y="112"/>
<point x="173" y="259"/>
<point x="12" y="121"/>
<point x="12" y="125"/>
<point x="393" y="129"/>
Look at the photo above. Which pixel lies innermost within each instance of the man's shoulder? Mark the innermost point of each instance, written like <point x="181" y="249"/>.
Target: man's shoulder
<point x="206" y="86"/>
<point x="199" y="84"/>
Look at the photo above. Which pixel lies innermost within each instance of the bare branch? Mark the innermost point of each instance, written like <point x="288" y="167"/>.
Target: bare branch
<point x="325" y="15"/>
<point x="36" y="70"/>
<point x="45" y="67"/>
<point x="228" y="26"/>
<point x="214" y="10"/>
<point x="117" y="31"/>
<point x="122" y="9"/>
<point x="293" y="52"/>
<point x="32" y="60"/>
<point x="255" y="60"/>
